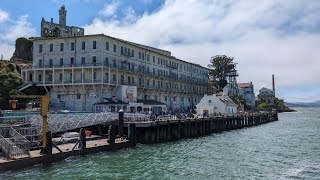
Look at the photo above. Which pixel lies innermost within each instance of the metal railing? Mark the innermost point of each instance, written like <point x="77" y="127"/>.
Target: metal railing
<point x="197" y="80"/>
<point x="14" y="146"/>
<point x="66" y="122"/>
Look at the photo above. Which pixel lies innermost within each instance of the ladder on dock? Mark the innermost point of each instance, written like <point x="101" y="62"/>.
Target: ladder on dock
<point x="15" y="145"/>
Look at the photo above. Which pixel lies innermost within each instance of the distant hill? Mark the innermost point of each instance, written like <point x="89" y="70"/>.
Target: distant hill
<point x="304" y="104"/>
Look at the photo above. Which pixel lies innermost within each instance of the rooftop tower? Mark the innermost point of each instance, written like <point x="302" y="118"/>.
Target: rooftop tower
<point x="62" y="16"/>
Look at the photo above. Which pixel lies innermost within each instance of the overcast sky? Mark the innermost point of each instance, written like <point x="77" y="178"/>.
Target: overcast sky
<point x="280" y="37"/>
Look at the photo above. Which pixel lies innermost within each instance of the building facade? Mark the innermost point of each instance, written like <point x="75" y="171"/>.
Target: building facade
<point x="246" y="90"/>
<point x="79" y="71"/>
<point x="51" y="29"/>
<point x="266" y="95"/>
<point x="216" y="104"/>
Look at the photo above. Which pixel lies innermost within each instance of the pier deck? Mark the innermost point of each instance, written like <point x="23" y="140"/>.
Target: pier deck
<point x="93" y="146"/>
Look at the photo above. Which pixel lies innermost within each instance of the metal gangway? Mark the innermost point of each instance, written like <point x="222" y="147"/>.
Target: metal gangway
<point x="67" y="122"/>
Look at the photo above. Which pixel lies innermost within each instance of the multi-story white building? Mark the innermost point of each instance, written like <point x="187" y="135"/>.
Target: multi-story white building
<point x="79" y="71"/>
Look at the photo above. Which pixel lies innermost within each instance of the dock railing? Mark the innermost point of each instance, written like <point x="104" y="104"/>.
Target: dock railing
<point x="14" y="146"/>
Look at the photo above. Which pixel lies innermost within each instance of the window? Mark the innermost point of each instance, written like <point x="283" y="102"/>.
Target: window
<point x="61" y="46"/>
<point x="158" y="60"/>
<point x="107" y="76"/>
<point x="148" y="82"/>
<point x="153" y="83"/>
<point x="40" y="77"/>
<point x="61" y="61"/>
<point x="153" y="59"/>
<point x="60" y="76"/>
<point x="174" y="98"/>
<point x="94" y="75"/>
<point x="71" y="61"/>
<point x="94" y="60"/>
<point x="122" y="79"/>
<point x="121" y="50"/>
<point x="83" y="45"/>
<point x="50" y="62"/>
<point x="114" y="62"/>
<point x="129" y="79"/>
<point x="58" y="96"/>
<point x="142" y="56"/>
<point x="114" y="48"/>
<point x="106" y="61"/>
<point x="40" y="48"/>
<point x="40" y="62"/>
<point x="139" y="55"/>
<point x="132" y="80"/>
<point x="209" y="101"/>
<point x="72" y="46"/>
<point x="132" y="53"/>
<point x="107" y="46"/>
<point x="94" y="45"/>
<point x="114" y="76"/>
<point x="147" y="57"/>
<point x="51" y="47"/>
<point x="71" y="76"/>
<point x="83" y="60"/>
<point x="182" y="99"/>
<point x="78" y="96"/>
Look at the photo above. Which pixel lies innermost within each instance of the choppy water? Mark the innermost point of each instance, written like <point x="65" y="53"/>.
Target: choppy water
<point x="287" y="149"/>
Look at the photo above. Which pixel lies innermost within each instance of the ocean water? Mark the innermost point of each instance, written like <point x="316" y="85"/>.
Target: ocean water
<point x="286" y="149"/>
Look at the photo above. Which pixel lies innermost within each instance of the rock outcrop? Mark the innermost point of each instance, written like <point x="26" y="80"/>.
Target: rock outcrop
<point x="23" y="51"/>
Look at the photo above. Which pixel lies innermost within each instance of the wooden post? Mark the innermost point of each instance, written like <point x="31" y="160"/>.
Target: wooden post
<point x="179" y="130"/>
<point x="169" y="131"/>
<point x="83" y="143"/>
<point x="48" y="148"/>
<point x="158" y="132"/>
<point x="132" y="134"/>
<point x="112" y="137"/>
<point x="120" y="123"/>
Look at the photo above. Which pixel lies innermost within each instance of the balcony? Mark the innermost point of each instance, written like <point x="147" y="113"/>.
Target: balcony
<point x="126" y="68"/>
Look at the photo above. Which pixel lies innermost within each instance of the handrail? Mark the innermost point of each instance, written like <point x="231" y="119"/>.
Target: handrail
<point x="21" y="144"/>
<point x="5" y="145"/>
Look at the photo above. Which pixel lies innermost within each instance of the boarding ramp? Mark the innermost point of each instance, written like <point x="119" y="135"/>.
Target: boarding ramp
<point x="67" y="122"/>
<point x="15" y="145"/>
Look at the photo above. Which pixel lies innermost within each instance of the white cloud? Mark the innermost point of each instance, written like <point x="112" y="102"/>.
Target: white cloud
<point x="109" y="9"/>
<point x="12" y="29"/>
<point x="21" y="28"/>
<point x="4" y="16"/>
<point x="265" y="37"/>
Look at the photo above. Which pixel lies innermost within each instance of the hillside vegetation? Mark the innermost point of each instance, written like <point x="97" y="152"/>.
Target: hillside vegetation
<point x="9" y="80"/>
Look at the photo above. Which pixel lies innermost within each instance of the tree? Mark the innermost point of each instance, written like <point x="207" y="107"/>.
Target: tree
<point x="9" y="81"/>
<point x="220" y="66"/>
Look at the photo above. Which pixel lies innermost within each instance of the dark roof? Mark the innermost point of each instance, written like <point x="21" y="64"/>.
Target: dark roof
<point x="150" y="102"/>
<point x="110" y="101"/>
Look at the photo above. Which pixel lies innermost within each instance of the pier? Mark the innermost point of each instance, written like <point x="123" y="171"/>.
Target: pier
<point x="125" y="132"/>
<point x="170" y="130"/>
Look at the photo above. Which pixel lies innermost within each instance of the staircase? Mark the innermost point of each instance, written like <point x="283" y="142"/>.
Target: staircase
<point x="15" y="145"/>
<point x="23" y="87"/>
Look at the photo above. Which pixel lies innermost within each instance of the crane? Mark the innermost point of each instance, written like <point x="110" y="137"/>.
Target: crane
<point x="44" y="103"/>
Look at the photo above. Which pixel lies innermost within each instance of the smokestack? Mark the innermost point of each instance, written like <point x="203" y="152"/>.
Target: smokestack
<point x="273" y="87"/>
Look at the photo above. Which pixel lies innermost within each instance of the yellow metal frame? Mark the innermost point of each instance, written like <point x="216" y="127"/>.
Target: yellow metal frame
<point x="44" y="103"/>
